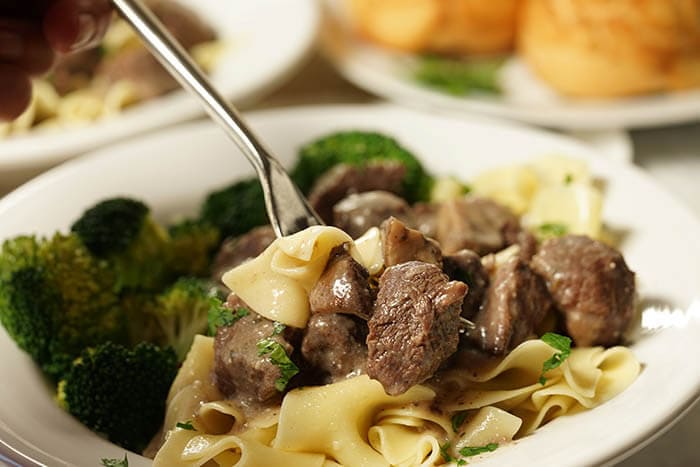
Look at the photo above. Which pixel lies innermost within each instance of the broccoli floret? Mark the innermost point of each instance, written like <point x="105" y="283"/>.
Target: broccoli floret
<point x="236" y="209"/>
<point x="56" y="299"/>
<point x="358" y="148"/>
<point x="174" y="317"/>
<point x="118" y="392"/>
<point x="122" y="231"/>
<point x="192" y="246"/>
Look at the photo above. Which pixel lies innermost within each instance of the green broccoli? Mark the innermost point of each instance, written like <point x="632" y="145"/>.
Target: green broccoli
<point x="122" y="231"/>
<point x="236" y="209"/>
<point x="192" y="246"/>
<point x="118" y="392"/>
<point x="56" y="299"/>
<point x="175" y="316"/>
<point x="357" y="148"/>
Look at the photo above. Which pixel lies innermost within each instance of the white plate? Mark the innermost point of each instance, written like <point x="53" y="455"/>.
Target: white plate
<point x="266" y="40"/>
<point x="172" y="171"/>
<point x="524" y="98"/>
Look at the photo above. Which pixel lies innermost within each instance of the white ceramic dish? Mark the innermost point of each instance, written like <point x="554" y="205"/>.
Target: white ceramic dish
<point x="266" y="41"/>
<point x="172" y="170"/>
<point x="524" y="98"/>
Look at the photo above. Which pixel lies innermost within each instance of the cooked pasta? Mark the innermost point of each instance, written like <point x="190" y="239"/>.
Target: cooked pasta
<point x="354" y="422"/>
<point x="90" y="99"/>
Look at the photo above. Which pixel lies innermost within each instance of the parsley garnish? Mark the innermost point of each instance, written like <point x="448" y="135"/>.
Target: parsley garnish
<point x="552" y="229"/>
<point x="458" y="419"/>
<point x="279" y="357"/>
<point x="459" y="77"/>
<point x="116" y="462"/>
<point x="560" y="343"/>
<point x="220" y="316"/>
<point x="186" y="425"/>
<point x="277" y="328"/>
<point x="469" y="451"/>
<point x="445" y="453"/>
<point x="568" y="178"/>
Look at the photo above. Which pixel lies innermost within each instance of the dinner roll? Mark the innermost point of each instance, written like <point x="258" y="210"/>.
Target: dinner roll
<point x="605" y="48"/>
<point x="439" y="26"/>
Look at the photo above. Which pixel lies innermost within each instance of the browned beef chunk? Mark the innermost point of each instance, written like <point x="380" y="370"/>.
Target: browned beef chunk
<point x="238" y="250"/>
<point x="477" y="224"/>
<point x="415" y="325"/>
<point x="343" y="287"/>
<point x="334" y="346"/>
<point x="343" y="180"/>
<point x="359" y="212"/>
<point x="516" y="302"/>
<point x="138" y="66"/>
<point x="591" y="285"/>
<point x="401" y="244"/>
<point x="465" y="266"/>
<point x="74" y="71"/>
<point x="425" y="217"/>
<point x="239" y="372"/>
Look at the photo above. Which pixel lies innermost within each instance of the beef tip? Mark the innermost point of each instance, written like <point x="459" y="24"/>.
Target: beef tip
<point x="75" y="71"/>
<point x="140" y="68"/>
<point x="343" y="287"/>
<point x="415" y="325"/>
<point x="591" y="285"/>
<point x="238" y="250"/>
<point x="425" y="216"/>
<point x="478" y="224"/>
<point x="465" y="266"/>
<point x="516" y="303"/>
<point x="359" y="212"/>
<point x="239" y="372"/>
<point x="334" y="346"/>
<point x="343" y="180"/>
<point x="401" y="244"/>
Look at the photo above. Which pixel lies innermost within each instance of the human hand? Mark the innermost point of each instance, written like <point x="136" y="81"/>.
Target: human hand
<point x="33" y="32"/>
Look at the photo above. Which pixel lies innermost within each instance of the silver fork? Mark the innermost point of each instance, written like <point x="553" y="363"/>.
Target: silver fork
<point x="287" y="208"/>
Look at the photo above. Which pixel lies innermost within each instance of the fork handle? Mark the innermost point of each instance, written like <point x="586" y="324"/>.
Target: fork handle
<point x="286" y="207"/>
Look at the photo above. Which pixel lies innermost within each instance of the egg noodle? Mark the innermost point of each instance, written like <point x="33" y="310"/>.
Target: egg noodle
<point x="97" y="100"/>
<point x="354" y="422"/>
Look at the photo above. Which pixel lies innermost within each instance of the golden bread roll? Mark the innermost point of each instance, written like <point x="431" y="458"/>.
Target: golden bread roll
<point x="606" y="48"/>
<point x="440" y="26"/>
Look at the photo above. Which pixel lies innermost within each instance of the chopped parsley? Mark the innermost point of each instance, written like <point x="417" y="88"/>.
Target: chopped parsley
<point x="220" y="316"/>
<point x="445" y="452"/>
<point x="279" y="357"/>
<point x="186" y="425"/>
<point x="552" y="229"/>
<point x="568" y="178"/>
<point x="277" y="328"/>
<point x="560" y="343"/>
<point x="116" y="462"/>
<point x="457" y="420"/>
<point x="469" y="451"/>
<point x="459" y="77"/>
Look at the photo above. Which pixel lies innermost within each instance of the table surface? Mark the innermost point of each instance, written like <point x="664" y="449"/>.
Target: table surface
<point x="671" y="155"/>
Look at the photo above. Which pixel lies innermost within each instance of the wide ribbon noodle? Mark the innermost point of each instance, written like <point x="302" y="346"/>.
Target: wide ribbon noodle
<point x="355" y="423"/>
<point x="276" y="283"/>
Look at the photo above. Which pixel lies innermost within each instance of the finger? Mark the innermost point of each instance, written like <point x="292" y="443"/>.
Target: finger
<point x="15" y="91"/>
<point x="22" y="43"/>
<point x="72" y="25"/>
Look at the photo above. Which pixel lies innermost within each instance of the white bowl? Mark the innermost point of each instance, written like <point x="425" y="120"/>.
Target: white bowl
<point x="265" y="41"/>
<point x="174" y="169"/>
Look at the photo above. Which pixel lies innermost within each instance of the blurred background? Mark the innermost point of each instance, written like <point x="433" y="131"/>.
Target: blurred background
<point x="623" y="76"/>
